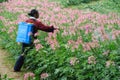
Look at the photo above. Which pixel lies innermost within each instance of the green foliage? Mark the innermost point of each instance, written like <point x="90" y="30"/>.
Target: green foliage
<point x="117" y="2"/>
<point x="2" y="1"/>
<point x="105" y="6"/>
<point x="75" y="2"/>
<point x="102" y="6"/>
<point x="8" y="15"/>
<point x="57" y="62"/>
<point x="5" y="77"/>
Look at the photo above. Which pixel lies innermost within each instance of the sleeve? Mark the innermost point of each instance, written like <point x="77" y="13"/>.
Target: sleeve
<point x="45" y="28"/>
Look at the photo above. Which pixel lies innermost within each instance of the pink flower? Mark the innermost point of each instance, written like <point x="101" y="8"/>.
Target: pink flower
<point x="115" y="34"/>
<point x="36" y="41"/>
<point x="30" y="34"/>
<point x="44" y="75"/>
<point x="51" y="39"/>
<point x="38" y="46"/>
<point x="29" y="75"/>
<point x="36" y="34"/>
<point x="109" y="63"/>
<point x="71" y="42"/>
<point x="86" y="47"/>
<point x="11" y="29"/>
<point x="91" y="60"/>
<point x="65" y="33"/>
<point x="105" y="37"/>
<point x="87" y="28"/>
<point x="56" y="9"/>
<point x="113" y="37"/>
<point x="2" y="18"/>
<point x="106" y="52"/>
<point x="73" y="60"/>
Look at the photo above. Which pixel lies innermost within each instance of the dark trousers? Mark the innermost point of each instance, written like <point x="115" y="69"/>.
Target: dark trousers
<point x="20" y="60"/>
<point x="26" y="48"/>
<point x="31" y="46"/>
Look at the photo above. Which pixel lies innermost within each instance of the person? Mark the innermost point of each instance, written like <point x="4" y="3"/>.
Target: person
<point x="33" y="16"/>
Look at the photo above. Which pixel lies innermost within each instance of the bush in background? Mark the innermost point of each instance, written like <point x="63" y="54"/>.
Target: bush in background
<point x="102" y="6"/>
<point x="2" y="1"/>
<point x="75" y="2"/>
<point x="117" y="2"/>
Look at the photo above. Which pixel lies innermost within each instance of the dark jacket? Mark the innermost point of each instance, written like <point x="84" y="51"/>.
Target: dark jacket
<point x="40" y="26"/>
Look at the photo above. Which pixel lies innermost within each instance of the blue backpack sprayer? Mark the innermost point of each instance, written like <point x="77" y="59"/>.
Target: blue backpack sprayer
<point x="23" y="36"/>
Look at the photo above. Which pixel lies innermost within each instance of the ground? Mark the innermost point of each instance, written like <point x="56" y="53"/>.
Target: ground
<point x="7" y="67"/>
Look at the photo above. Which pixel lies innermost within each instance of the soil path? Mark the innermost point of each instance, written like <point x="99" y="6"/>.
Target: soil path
<point x="6" y="66"/>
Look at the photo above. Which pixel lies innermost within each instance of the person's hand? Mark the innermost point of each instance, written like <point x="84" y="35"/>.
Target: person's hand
<point x="53" y="29"/>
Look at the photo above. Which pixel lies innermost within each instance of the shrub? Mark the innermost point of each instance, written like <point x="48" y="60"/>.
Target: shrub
<point x="75" y="2"/>
<point x="117" y="2"/>
<point x="2" y="1"/>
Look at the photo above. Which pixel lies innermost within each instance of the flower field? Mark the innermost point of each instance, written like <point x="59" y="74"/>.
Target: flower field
<point x="86" y="46"/>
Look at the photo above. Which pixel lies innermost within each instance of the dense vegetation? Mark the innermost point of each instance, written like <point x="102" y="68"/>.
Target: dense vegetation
<point x="75" y="2"/>
<point x="2" y="1"/>
<point x="87" y="46"/>
<point x="101" y="6"/>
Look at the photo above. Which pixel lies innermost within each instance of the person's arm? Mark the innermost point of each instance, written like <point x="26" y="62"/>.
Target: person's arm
<point x="41" y="26"/>
<point x="45" y="28"/>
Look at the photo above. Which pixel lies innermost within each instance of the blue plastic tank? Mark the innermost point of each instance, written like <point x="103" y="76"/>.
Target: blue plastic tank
<point x="24" y="29"/>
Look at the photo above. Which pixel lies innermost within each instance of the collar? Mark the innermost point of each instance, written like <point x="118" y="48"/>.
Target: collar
<point x="33" y="18"/>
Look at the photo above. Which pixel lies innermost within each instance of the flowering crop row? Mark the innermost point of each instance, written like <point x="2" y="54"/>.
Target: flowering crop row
<point x="86" y="45"/>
